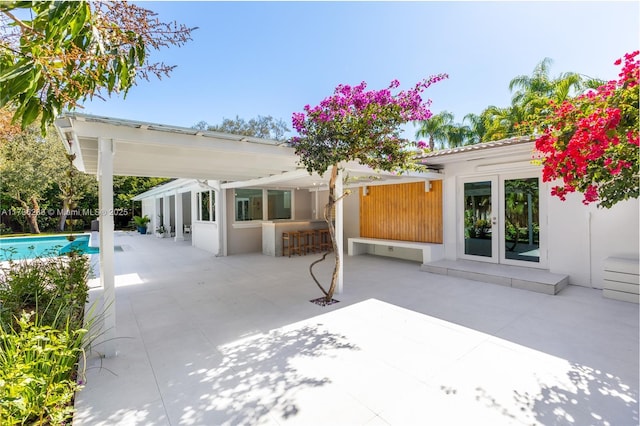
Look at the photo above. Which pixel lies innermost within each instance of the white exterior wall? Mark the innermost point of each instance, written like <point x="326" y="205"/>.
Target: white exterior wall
<point x="614" y="233"/>
<point x="581" y="237"/>
<point x="351" y="216"/>
<point x="205" y="236"/>
<point x="568" y="233"/>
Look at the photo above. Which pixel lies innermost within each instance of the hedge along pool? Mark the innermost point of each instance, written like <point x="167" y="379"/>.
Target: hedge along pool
<point x="20" y="248"/>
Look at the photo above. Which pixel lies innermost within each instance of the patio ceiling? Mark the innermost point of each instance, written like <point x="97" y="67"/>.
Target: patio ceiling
<point x="156" y="150"/>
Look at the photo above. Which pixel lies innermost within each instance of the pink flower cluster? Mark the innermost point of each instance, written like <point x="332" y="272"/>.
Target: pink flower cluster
<point x="354" y="124"/>
<point x="349" y="101"/>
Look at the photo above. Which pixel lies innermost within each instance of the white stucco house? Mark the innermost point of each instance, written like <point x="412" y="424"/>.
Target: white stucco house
<point x="479" y="211"/>
<point x="492" y="184"/>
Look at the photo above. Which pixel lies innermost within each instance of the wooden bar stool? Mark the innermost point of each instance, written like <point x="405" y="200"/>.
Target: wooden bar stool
<point x="292" y="240"/>
<point x="317" y="240"/>
<point x="324" y="240"/>
<point x="307" y="238"/>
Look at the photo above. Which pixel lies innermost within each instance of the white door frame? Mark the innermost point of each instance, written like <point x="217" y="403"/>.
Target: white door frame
<point x="542" y="220"/>
<point x="498" y="249"/>
<point x="493" y="219"/>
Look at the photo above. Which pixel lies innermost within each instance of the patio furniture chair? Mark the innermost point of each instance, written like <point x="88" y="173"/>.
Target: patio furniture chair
<point x="323" y="240"/>
<point x="307" y="241"/>
<point x="290" y="243"/>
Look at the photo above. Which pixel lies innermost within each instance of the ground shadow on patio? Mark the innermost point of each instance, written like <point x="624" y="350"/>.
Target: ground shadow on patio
<point x="256" y="379"/>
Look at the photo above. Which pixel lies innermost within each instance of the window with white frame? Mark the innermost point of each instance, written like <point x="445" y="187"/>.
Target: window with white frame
<point x="206" y="206"/>
<point x="279" y="204"/>
<point x="249" y="204"/>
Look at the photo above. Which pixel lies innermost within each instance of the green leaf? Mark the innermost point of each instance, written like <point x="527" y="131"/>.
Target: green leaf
<point x="79" y="21"/>
<point x="31" y="112"/>
<point x="21" y="68"/>
<point x="125" y="82"/>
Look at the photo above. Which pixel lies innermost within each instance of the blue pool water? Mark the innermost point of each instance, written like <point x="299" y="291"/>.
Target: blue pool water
<point x="29" y="247"/>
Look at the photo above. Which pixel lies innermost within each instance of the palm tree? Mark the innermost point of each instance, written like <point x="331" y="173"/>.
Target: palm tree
<point x="535" y="92"/>
<point x="530" y="101"/>
<point x="538" y="83"/>
<point x="500" y="123"/>
<point x="436" y="129"/>
<point x="476" y="127"/>
<point x="457" y="135"/>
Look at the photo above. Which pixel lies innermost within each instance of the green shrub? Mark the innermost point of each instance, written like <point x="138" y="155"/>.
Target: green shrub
<point x="38" y="371"/>
<point x="41" y="338"/>
<point x="51" y="287"/>
<point x="5" y="230"/>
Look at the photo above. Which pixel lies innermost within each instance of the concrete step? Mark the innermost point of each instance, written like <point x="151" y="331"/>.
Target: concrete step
<point x="532" y="279"/>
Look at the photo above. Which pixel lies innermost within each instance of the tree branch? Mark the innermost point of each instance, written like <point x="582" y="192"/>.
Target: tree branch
<point x="19" y="22"/>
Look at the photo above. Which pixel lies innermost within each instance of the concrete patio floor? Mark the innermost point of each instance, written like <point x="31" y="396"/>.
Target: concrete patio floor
<point x="235" y="341"/>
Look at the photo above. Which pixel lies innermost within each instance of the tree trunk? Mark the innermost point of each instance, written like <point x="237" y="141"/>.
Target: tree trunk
<point x="332" y="230"/>
<point x="31" y="213"/>
<point x="64" y="214"/>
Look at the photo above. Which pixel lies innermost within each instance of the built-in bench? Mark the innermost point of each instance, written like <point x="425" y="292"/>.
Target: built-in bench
<point x="621" y="279"/>
<point x="359" y="245"/>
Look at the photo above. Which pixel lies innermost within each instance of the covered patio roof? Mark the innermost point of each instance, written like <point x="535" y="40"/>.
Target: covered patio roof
<point x="157" y="150"/>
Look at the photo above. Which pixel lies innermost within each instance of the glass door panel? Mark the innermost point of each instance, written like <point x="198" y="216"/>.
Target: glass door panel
<point x="478" y="219"/>
<point x="521" y="237"/>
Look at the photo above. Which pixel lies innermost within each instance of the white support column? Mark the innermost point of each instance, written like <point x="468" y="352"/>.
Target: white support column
<point x="155" y="220"/>
<point x="316" y="204"/>
<point x="265" y="204"/>
<point x="219" y="216"/>
<point x="107" y="279"/>
<point x="166" y="212"/>
<point x="179" y="219"/>
<point x="194" y="215"/>
<point x="222" y="221"/>
<point x="340" y="229"/>
<point x="292" y="203"/>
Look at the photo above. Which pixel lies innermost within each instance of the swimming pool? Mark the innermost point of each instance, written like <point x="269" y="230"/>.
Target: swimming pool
<point x="29" y="247"/>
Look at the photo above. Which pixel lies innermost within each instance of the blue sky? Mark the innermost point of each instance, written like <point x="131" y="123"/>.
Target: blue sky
<point x="272" y="58"/>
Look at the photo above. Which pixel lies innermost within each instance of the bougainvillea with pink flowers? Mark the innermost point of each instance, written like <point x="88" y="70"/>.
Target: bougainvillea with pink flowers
<point x="356" y="124"/>
<point x="590" y="142"/>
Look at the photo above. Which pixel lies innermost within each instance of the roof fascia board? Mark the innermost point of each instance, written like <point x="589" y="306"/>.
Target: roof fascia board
<point x="95" y="130"/>
<point x="482" y="154"/>
<point x="170" y="173"/>
<point x="180" y="185"/>
<point x="168" y="128"/>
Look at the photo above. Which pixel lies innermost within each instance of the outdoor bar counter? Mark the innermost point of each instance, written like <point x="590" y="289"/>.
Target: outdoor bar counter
<point x="272" y="232"/>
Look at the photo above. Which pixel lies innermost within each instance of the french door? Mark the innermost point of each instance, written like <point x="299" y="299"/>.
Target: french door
<point x="502" y="220"/>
